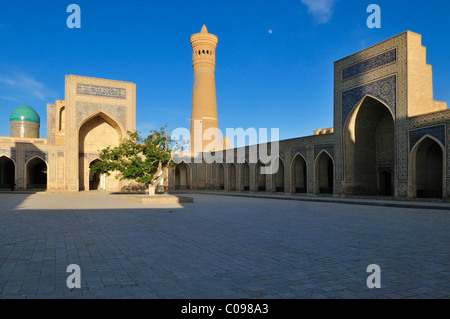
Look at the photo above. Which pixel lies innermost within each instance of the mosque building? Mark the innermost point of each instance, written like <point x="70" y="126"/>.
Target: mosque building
<point x="389" y="136"/>
<point x="96" y="113"/>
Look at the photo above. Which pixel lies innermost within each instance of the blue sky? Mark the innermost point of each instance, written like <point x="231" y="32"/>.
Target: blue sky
<point x="281" y="78"/>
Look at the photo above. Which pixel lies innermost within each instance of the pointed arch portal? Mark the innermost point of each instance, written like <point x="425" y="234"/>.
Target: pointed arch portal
<point x="260" y="180"/>
<point x="232" y="177"/>
<point x="221" y="173"/>
<point x="36" y="174"/>
<point x="298" y="174"/>
<point x="278" y="178"/>
<point x="96" y="133"/>
<point x="7" y="173"/>
<point x="324" y="174"/>
<point x="245" y="182"/>
<point x="369" y="149"/>
<point x="428" y="159"/>
<point x="182" y="176"/>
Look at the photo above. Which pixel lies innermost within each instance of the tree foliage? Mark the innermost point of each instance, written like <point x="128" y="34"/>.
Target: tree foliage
<point x="136" y="158"/>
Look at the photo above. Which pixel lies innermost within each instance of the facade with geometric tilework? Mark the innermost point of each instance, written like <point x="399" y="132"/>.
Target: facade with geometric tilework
<point x="96" y="113"/>
<point x="390" y="138"/>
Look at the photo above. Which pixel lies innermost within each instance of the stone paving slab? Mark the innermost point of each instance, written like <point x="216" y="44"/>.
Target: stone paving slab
<point x="218" y="247"/>
<point x="160" y="199"/>
<point x="369" y="201"/>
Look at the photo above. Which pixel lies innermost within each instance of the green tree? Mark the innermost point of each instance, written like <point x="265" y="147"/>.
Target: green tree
<point x="138" y="159"/>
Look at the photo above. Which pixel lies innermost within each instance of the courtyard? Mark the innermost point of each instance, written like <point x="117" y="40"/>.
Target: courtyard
<point x="218" y="247"/>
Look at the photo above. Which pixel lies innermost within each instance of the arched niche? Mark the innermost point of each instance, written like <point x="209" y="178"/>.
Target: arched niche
<point x="369" y="148"/>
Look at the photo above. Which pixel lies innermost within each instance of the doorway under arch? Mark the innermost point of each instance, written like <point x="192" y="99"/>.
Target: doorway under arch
<point x="428" y="169"/>
<point x="232" y="177"/>
<point x="95" y="180"/>
<point x="36" y="174"/>
<point x="95" y="134"/>
<point x="298" y="174"/>
<point x="260" y="179"/>
<point x="385" y="184"/>
<point x="245" y="179"/>
<point x="221" y="176"/>
<point x="324" y="174"/>
<point x="278" y="177"/>
<point x="182" y="176"/>
<point x="7" y="173"/>
<point x="368" y="147"/>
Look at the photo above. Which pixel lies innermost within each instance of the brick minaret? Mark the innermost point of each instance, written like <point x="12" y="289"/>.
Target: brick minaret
<point x="204" y="107"/>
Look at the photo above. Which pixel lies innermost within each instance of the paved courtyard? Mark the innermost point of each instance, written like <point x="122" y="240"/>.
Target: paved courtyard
<point x="218" y="247"/>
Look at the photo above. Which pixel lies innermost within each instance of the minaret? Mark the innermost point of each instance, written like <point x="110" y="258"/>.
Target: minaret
<point x="204" y="107"/>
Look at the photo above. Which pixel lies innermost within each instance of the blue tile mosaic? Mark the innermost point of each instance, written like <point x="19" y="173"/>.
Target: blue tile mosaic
<point x="436" y="131"/>
<point x="384" y="90"/>
<point x="31" y="154"/>
<point x="327" y="147"/>
<point x="370" y="64"/>
<point x="301" y="150"/>
<point x="9" y="153"/>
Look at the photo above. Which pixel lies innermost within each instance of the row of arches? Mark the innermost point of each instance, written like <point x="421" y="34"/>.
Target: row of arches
<point x="426" y="169"/>
<point x="35" y="174"/>
<point x="36" y="171"/>
<point x="241" y="181"/>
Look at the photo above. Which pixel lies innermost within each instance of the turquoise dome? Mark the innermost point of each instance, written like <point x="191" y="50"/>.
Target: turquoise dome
<point x="24" y="113"/>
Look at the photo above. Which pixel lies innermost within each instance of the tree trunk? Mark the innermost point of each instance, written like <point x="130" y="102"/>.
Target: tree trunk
<point x="151" y="189"/>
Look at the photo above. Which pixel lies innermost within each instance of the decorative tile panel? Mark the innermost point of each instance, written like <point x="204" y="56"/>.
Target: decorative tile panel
<point x="299" y="150"/>
<point x="84" y="110"/>
<point x="385" y="169"/>
<point x="104" y="91"/>
<point x="370" y="64"/>
<point x="384" y="89"/>
<point x="436" y="131"/>
<point x="8" y="152"/>
<point x="31" y="154"/>
<point x="327" y="147"/>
